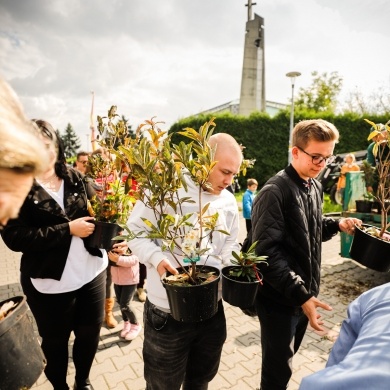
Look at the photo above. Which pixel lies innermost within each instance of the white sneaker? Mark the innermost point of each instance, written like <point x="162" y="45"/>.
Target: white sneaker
<point x="134" y="332"/>
<point x="126" y="328"/>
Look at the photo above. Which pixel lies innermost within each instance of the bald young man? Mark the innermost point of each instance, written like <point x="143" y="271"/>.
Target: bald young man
<point x="177" y="353"/>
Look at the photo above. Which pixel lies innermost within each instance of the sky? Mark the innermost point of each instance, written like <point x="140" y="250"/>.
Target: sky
<point x="170" y="59"/>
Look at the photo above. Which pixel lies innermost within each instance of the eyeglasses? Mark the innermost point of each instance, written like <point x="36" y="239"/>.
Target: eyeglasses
<point x="83" y="162"/>
<point x="317" y="160"/>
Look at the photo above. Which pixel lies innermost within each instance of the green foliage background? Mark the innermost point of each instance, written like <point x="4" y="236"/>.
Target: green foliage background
<point x="266" y="138"/>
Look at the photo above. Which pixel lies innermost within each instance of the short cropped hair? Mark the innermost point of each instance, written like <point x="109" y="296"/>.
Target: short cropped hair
<point x="314" y="130"/>
<point x="251" y="182"/>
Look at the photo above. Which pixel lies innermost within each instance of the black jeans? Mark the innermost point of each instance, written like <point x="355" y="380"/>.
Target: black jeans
<point x="124" y="295"/>
<point x="57" y="315"/>
<point x="281" y="330"/>
<point x="178" y="353"/>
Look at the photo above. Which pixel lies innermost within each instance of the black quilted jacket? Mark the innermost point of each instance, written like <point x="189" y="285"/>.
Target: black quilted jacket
<point x="42" y="232"/>
<point x="288" y="224"/>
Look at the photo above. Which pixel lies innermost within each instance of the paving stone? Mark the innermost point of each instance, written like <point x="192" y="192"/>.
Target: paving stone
<point x="119" y="366"/>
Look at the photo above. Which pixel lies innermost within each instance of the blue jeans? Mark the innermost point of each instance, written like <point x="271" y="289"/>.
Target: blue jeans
<point x="177" y="353"/>
<point x="124" y="295"/>
<point x="281" y="330"/>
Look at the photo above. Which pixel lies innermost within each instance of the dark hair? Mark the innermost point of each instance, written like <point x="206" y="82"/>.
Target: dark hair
<point x="47" y="130"/>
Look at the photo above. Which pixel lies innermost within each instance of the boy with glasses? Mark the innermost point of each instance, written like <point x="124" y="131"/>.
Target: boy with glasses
<point x="288" y="225"/>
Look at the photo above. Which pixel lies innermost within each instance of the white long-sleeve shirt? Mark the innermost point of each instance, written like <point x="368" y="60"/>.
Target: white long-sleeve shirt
<point x="221" y="245"/>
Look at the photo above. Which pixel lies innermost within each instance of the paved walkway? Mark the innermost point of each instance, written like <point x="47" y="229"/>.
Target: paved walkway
<point x="118" y="364"/>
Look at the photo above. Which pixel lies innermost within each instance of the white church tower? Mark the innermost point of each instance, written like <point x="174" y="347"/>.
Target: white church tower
<point x="252" y="97"/>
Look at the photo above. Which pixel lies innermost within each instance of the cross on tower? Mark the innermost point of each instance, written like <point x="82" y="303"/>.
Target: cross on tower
<point x="249" y="5"/>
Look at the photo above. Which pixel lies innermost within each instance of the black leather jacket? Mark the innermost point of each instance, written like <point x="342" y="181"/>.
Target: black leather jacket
<point x="41" y="230"/>
<point x="288" y="224"/>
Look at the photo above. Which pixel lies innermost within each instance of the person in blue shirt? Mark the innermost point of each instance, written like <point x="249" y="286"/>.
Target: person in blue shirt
<point x="247" y="201"/>
<point x="360" y="358"/>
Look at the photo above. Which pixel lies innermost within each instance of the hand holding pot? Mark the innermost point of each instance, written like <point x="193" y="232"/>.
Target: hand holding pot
<point x="166" y="266"/>
<point x="80" y="227"/>
<point x="347" y="225"/>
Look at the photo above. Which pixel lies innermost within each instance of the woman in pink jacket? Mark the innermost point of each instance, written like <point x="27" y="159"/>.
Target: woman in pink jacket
<point x="125" y="276"/>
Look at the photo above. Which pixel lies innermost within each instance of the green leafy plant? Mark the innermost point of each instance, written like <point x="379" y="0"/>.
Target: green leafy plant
<point x="368" y="173"/>
<point x="114" y="201"/>
<point x="246" y="264"/>
<point x="381" y="151"/>
<point x="161" y="168"/>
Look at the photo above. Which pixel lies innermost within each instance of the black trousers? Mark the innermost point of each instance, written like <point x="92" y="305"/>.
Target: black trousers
<point x="177" y="353"/>
<point x="281" y="329"/>
<point x="57" y="315"/>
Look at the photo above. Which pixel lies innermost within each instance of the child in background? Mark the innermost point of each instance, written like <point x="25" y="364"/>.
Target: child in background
<point x="125" y="276"/>
<point x="247" y="201"/>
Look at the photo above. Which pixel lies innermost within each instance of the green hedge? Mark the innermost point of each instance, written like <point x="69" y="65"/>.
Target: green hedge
<point x="266" y="138"/>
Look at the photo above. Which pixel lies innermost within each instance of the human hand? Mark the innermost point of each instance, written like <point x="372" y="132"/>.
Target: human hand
<point x="80" y="227"/>
<point x="310" y="310"/>
<point x="120" y="247"/>
<point x="113" y="256"/>
<point x="166" y="266"/>
<point x="347" y="225"/>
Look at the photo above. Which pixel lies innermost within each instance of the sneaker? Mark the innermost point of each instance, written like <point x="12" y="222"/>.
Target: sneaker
<point x="126" y="328"/>
<point x="141" y="294"/>
<point x="134" y="332"/>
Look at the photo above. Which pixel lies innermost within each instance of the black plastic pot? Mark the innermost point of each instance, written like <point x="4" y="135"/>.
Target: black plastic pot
<point x="194" y="303"/>
<point x="102" y="235"/>
<point x="370" y="251"/>
<point x="22" y="360"/>
<point x="238" y="292"/>
<point x="363" y="206"/>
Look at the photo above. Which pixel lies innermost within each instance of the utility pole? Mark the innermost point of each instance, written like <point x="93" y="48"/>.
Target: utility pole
<point x="92" y="126"/>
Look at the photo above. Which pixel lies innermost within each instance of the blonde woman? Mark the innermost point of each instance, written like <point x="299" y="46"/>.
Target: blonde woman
<point x="349" y="166"/>
<point x="21" y="156"/>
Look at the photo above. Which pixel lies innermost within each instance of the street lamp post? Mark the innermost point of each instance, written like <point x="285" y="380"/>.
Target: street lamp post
<point x="87" y="135"/>
<point x="292" y="76"/>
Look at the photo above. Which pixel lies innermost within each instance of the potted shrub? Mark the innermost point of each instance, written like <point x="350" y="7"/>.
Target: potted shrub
<point x="113" y="201"/>
<point x="365" y="205"/>
<point x="371" y="245"/>
<point x="161" y="168"/>
<point x="241" y="281"/>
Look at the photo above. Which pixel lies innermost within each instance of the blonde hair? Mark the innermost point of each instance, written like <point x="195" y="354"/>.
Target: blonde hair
<point x="314" y="129"/>
<point x="21" y="149"/>
<point x="350" y="155"/>
<point x="250" y="182"/>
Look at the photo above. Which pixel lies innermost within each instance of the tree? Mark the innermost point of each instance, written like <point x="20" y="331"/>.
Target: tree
<point x="130" y="131"/>
<point x="71" y="141"/>
<point x="321" y="95"/>
<point x="378" y="103"/>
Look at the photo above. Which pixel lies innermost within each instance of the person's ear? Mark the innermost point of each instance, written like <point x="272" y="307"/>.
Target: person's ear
<point x="294" y="152"/>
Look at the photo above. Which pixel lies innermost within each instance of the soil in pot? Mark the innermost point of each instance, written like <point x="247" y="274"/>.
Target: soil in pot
<point x="102" y="235"/>
<point x="370" y="251"/>
<point x="22" y="360"/>
<point x="238" y="292"/>
<point x="194" y="303"/>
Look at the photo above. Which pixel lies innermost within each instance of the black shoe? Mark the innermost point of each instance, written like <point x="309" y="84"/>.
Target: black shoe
<point x="86" y="385"/>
